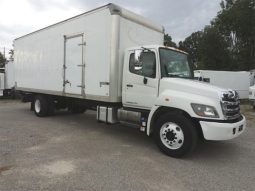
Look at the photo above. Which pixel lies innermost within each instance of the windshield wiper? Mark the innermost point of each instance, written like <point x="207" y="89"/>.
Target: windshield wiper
<point x="174" y="75"/>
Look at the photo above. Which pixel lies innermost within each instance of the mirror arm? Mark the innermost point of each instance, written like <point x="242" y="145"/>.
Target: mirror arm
<point x="145" y="80"/>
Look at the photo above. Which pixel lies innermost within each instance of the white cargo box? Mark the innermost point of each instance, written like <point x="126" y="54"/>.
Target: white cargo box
<point x="9" y="75"/>
<point x="2" y="82"/>
<point x="238" y="81"/>
<point x="83" y="56"/>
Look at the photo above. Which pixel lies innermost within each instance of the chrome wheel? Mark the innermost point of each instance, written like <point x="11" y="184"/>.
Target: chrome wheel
<point x="37" y="106"/>
<point x="171" y="135"/>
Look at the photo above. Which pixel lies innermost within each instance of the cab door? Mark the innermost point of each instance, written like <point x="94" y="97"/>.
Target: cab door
<point x="140" y="83"/>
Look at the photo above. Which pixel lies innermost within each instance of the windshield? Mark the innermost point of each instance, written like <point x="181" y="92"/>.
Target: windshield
<point x="174" y="64"/>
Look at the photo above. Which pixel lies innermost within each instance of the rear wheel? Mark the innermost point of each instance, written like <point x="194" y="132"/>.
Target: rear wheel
<point x="40" y="106"/>
<point x="43" y="105"/>
<point x="175" y="135"/>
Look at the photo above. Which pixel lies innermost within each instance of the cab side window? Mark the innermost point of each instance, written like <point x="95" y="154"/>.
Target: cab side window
<point x="146" y="67"/>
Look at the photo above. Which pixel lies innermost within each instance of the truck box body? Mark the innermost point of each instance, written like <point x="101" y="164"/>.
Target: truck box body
<point x="2" y="82"/>
<point x="82" y="57"/>
<point x="238" y="81"/>
<point x="9" y="75"/>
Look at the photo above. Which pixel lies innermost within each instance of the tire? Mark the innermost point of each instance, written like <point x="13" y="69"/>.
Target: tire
<point x="40" y="106"/>
<point x="175" y="135"/>
<point x="46" y="106"/>
<point x="5" y="93"/>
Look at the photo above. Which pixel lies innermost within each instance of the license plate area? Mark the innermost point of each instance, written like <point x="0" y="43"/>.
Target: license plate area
<point x="240" y="128"/>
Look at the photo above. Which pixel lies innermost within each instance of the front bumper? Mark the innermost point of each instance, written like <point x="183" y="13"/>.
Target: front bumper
<point x="222" y="131"/>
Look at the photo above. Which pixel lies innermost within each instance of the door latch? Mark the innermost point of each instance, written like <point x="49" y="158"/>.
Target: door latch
<point x="104" y="84"/>
<point x="81" y="65"/>
<point x="81" y="86"/>
<point x="67" y="82"/>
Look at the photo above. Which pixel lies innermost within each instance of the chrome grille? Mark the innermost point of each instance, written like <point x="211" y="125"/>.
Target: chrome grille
<point x="230" y="104"/>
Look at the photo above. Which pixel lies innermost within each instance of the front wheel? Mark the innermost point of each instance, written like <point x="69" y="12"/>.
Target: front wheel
<point x="175" y="135"/>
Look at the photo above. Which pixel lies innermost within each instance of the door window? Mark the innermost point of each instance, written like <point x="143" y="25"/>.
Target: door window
<point x="146" y="67"/>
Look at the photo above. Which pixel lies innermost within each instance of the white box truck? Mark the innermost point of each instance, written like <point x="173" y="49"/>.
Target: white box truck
<point x="114" y="60"/>
<point x="9" y="75"/>
<point x="2" y="82"/>
<point x="7" y="80"/>
<point x="235" y="80"/>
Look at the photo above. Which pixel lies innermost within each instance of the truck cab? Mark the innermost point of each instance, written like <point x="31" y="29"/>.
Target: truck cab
<point x="159" y="80"/>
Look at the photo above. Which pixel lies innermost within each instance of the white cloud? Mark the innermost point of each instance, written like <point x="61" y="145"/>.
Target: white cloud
<point x="23" y="16"/>
<point x="180" y="18"/>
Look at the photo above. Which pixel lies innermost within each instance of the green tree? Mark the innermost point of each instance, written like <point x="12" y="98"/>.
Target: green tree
<point x="168" y="41"/>
<point x="213" y="51"/>
<point x="191" y="45"/>
<point x="236" y="23"/>
<point x="229" y="42"/>
<point x="2" y="60"/>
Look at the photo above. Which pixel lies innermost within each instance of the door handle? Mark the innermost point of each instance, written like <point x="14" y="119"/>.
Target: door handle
<point x="129" y="85"/>
<point x="67" y="82"/>
<point x="145" y="80"/>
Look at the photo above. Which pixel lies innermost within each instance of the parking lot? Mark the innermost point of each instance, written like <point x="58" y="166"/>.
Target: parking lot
<point x="74" y="152"/>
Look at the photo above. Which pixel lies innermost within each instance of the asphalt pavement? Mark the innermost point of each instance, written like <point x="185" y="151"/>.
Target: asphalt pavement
<point x="75" y="152"/>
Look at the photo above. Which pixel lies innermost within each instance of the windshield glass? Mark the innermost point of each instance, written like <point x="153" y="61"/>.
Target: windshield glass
<point x="174" y="64"/>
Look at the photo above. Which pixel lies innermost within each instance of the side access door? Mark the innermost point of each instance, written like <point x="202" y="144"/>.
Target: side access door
<point x="74" y="67"/>
<point x="140" y="83"/>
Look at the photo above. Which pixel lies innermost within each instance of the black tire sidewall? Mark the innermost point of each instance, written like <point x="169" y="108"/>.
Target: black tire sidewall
<point x="189" y="131"/>
<point x="43" y="106"/>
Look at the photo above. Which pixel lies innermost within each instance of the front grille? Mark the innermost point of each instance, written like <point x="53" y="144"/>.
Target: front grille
<point x="230" y="105"/>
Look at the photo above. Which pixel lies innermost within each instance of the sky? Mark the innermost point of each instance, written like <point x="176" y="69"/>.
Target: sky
<point x="179" y="17"/>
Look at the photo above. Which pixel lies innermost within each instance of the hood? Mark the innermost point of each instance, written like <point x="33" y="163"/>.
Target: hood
<point x="191" y="86"/>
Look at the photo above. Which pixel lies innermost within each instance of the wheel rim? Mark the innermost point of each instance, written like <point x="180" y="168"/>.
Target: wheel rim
<point x="37" y="106"/>
<point x="171" y="135"/>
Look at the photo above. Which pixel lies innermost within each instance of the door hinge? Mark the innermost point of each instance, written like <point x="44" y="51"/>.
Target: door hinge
<point x="81" y="86"/>
<point x="67" y="82"/>
<point x="82" y="44"/>
<point x="81" y="65"/>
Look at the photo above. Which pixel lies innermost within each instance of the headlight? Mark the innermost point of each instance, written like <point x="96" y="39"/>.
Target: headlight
<point x="204" y="110"/>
